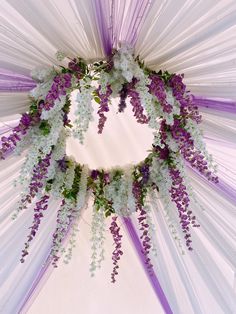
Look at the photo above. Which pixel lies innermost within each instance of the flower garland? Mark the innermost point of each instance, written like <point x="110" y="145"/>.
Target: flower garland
<point x="157" y="99"/>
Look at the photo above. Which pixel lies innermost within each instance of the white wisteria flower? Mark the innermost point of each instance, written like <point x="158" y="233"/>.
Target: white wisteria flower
<point x="81" y="197"/>
<point x="84" y="109"/>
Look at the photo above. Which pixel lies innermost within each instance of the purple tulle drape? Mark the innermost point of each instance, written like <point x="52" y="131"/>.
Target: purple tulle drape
<point x="216" y="104"/>
<point x="224" y="188"/>
<point x="13" y="82"/>
<point x="152" y="278"/>
<point x="41" y="278"/>
<point x="111" y="24"/>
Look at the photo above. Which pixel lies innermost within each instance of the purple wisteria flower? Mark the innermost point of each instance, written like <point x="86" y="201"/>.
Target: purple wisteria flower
<point x="188" y="151"/>
<point x="74" y="66"/>
<point x="38" y="179"/>
<point x="94" y="174"/>
<point x="145" y="171"/>
<point x="142" y="219"/>
<point x="62" y="164"/>
<point x="61" y="83"/>
<point x="123" y="96"/>
<point x="104" y="101"/>
<point x="136" y="103"/>
<point x="181" y="199"/>
<point x="187" y="107"/>
<point x="10" y="142"/>
<point x="40" y="207"/>
<point x="163" y="153"/>
<point x="157" y="88"/>
<point x="146" y="240"/>
<point x="116" y="254"/>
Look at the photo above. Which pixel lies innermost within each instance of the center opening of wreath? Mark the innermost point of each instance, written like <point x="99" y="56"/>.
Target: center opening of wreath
<point x="123" y="141"/>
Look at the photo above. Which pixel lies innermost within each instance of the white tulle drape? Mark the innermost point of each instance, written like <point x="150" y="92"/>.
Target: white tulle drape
<point x="192" y="37"/>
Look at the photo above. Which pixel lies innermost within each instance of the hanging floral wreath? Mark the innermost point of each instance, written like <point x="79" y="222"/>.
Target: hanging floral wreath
<point x="157" y="99"/>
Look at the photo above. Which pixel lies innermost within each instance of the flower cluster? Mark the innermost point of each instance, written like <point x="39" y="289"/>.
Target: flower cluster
<point x="160" y="100"/>
<point x="84" y="110"/>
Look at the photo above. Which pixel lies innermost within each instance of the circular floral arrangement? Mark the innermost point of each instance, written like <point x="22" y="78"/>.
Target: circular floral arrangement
<point x="157" y="99"/>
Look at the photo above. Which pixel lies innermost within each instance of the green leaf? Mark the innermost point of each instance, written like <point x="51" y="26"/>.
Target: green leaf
<point x="45" y="127"/>
<point x="107" y="214"/>
<point x="97" y="99"/>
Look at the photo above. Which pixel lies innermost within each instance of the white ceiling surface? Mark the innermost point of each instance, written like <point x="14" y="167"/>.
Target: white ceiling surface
<point x="194" y="37"/>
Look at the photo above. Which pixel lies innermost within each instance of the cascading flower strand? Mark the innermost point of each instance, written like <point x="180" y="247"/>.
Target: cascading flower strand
<point x="104" y="101"/>
<point x="40" y="207"/>
<point x="116" y="254"/>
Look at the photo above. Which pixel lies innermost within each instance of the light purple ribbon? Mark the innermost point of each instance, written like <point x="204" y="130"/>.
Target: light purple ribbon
<point x="152" y="278"/>
<point x="43" y="274"/>
<point x="228" y="191"/>
<point x="13" y="82"/>
<point x="215" y="104"/>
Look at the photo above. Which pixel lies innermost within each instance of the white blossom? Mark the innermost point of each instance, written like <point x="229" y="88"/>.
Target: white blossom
<point x="63" y="223"/>
<point x="58" y="183"/>
<point x="84" y="109"/>
<point x="97" y="239"/>
<point x="81" y="196"/>
<point x="60" y="55"/>
<point x="131" y="205"/>
<point x="44" y="77"/>
<point x="147" y="102"/>
<point x="70" y="173"/>
<point x="58" y="105"/>
<point x="41" y="145"/>
<point x="116" y="191"/>
<point x="42" y="74"/>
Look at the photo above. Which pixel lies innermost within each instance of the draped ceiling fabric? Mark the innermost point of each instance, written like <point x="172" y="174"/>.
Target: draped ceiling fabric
<point x="197" y="38"/>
